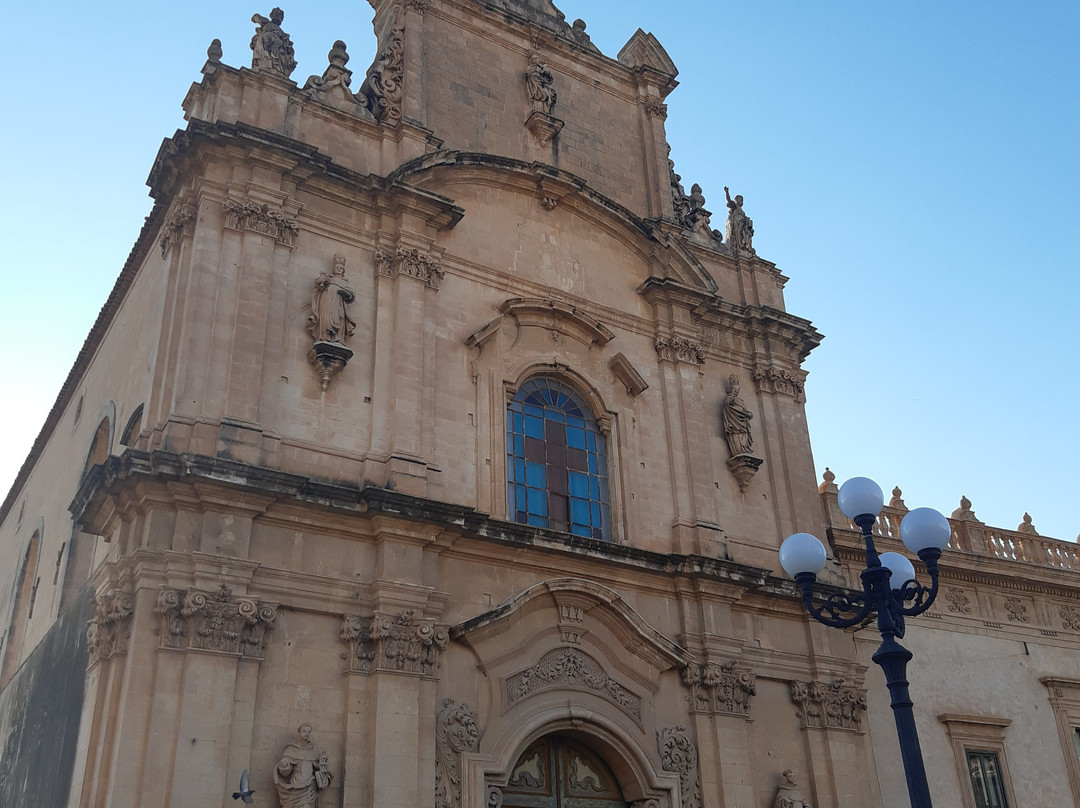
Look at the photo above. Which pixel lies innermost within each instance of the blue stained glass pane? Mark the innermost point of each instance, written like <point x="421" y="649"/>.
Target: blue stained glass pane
<point x="579" y="530"/>
<point x="596" y="513"/>
<point x="533" y="410"/>
<point x="519" y="445"/>
<point x="579" y="511"/>
<point x="590" y="440"/>
<point x="536" y="474"/>
<point x="555" y="415"/>
<point x="592" y="463"/>
<point x="517" y="422"/>
<point x="594" y="488"/>
<point x="519" y="470"/>
<point x="534" y="427"/>
<point x="537" y="521"/>
<point x="575" y="420"/>
<point x="519" y="492"/>
<point x="575" y="438"/>
<point x="537" y="502"/>
<point x="579" y="484"/>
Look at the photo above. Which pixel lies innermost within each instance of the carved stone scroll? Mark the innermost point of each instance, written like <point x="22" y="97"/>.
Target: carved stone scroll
<point x="455" y="733"/>
<point x="678" y="754"/>
<point x="382" y="88"/>
<point x="261" y="218"/>
<point x="722" y="689"/>
<point x="679" y="349"/>
<point x="838" y="705"/>
<point x="214" y="621"/>
<point x="412" y="263"/>
<point x="570" y="668"/>
<point x="110" y="627"/>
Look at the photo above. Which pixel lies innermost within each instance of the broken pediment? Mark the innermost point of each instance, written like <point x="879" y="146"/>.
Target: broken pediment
<point x="645" y="50"/>
<point x="551" y="315"/>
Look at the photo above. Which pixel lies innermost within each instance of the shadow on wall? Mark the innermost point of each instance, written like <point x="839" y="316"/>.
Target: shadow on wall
<point x="39" y="713"/>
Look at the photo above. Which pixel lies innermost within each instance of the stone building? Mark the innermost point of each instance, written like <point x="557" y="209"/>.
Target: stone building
<point x="431" y="415"/>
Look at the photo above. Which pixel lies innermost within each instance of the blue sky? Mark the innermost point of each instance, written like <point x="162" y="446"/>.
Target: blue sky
<point x="913" y="167"/>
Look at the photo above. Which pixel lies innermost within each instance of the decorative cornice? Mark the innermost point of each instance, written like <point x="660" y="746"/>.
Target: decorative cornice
<point x="213" y="621"/>
<point x="574" y="669"/>
<point x="110" y="627"/>
<point x="838" y="705"/>
<point x="722" y="689"/>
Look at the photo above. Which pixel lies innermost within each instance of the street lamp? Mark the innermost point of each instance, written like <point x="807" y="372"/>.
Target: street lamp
<point x="890" y="592"/>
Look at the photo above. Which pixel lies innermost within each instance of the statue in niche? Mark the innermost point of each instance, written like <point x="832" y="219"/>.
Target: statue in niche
<point x="788" y="795"/>
<point x="540" y="84"/>
<point x="736" y="418"/>
<point x="271" y="47"/>
<point x="301" y="773"/>
<point x="329" y="320"/>
<point x="740" y="227"/>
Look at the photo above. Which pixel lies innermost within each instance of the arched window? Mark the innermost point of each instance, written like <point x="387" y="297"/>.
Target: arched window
<point x="25" y="591"/>
<point x="556" y="459"/>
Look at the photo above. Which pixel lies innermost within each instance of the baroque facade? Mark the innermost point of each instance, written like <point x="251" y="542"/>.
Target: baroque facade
<point x="433" y="448"/>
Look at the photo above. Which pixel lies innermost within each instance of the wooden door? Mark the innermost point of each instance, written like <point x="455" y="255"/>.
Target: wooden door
<point x="558" y="772"/>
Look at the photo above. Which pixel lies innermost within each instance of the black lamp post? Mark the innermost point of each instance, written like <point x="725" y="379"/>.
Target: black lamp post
<point x="890" y="592"/>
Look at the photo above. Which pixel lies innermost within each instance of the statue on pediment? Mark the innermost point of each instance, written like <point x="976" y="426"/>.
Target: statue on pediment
<point x="740" y="227"/>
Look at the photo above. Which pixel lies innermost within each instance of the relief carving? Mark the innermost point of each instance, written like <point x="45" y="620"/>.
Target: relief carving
<point x="455" y="733"/>
<point x="494" y="797"/>
<point x="839" y="705"/>
<point x="403" y="643"/>
<point x="679" y="349"/>
<point x="1070" y="618"/>
<point x="271" y="48"/>
<point x="216" y="621"/>
<point x="570" y="667"/>
<point x="382" y="87"/>
<point x="775" y="380"/>
<point x="176" y="225"/>
<point x="957" y="600"/>
<point x="108" y="630"/>
<point x="678" y="754"/>
<point x="413" y="263"/>
<point x="1016" y="610"/>
<point x="261" y="219"/>
<point x="720" y="688"/>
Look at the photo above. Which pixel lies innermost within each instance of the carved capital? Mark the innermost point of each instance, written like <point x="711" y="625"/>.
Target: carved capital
<point x="655" y="108"/>
<point x="395" y="643"/>
<point x="573" y="669"/>
<point x="455" y="733"/>
<point x="838" y="705"/>
<point x="678" y="754"/>
<point x="724" y="689"/>
<point x="679" y="349"/>
<point x="110" y="627"/>
<point x="214" y="621"/>
<point x="412" y="263"/>
<point x="769" y="379"/>
<point x="261" y="218"/>
<point x="418" y="5"/>
<point x="179" y="223"/>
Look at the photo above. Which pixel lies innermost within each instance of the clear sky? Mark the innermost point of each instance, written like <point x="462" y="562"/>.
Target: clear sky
<point x="914" y="167"/>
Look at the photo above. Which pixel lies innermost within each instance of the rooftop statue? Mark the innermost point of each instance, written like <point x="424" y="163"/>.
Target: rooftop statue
<point x="740" y="227"/>
<point x="271" y="47"/>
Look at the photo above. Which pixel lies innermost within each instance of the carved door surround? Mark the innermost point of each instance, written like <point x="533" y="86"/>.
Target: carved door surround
<point x="568" y="660"/>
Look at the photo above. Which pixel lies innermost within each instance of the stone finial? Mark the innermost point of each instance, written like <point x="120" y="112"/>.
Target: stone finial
<point x="271" y="48"/>
<point x="213" y="53"/>
<point x="1026" y="526"/>
<point x="697" y="218"/>
<point x="333" y="85"/>
<point x="828" y="478"/>
<point x="740" y="227"/>
<point x="301" y="772"/>
<point x="964" y="511"/>
<point x="897" y="500"/>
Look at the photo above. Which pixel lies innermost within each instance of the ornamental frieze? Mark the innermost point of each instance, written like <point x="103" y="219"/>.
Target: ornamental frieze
<point x="678" y="754"/>
<point x="570" y="668"/>
<point x="412" y="263"/>
<point x="214" y="621"/>
<point x="455" y="733"/>
<point x="958" y="601"/>
<point x="401" y="643"/>
<point x="838" y="705"/>
<point x="679" y="349"/>
<point x="775" y="380"/>
<point x="720" y="688"/>
<point x="261" y="218"/>
<point x="110" y="627"/>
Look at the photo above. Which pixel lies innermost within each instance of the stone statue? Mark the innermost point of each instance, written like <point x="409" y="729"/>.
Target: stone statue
<point x="740" y="227"/>
<point x="736" y="419"/>
<point x="301" y="773"/>
<point x="788" y="796"/>
<point x="540" y="84"/>
<point x="271" y="47"/>
<point x="329" y="320"/>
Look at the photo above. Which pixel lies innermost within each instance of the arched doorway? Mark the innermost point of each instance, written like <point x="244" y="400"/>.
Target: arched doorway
<point x="559" y="772"/>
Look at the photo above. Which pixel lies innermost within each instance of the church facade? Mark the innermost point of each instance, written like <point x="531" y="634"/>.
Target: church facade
<point x="434" y="448"/>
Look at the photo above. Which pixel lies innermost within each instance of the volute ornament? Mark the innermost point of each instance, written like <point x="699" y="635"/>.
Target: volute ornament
<point x="455" y="733"/>
<point x="678" y="754"/>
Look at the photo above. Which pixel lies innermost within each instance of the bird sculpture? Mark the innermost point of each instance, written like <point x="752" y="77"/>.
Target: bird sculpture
<point x="244" y="793"/>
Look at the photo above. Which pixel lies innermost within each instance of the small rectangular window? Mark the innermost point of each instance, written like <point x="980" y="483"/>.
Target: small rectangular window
<point x="986" y="780"/>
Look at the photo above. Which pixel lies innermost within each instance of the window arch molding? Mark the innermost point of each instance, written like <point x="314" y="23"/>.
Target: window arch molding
<point x="23" y="594"/>
<point x="599" y="462"/>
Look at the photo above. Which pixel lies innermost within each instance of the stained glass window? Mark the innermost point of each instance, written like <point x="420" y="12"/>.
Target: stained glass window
<point x="556" y="460"/>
